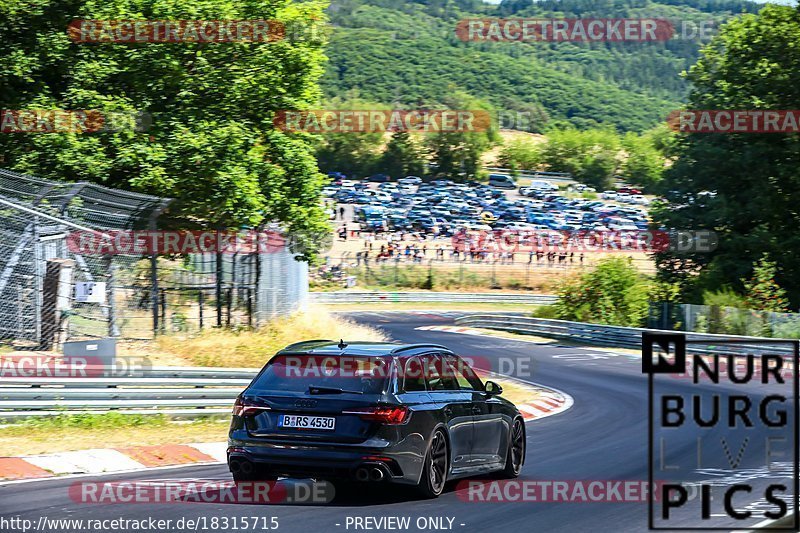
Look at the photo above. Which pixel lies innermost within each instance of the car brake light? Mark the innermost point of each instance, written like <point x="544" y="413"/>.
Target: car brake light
<point x="384" y="415"/>
<point x="242" y="409"/>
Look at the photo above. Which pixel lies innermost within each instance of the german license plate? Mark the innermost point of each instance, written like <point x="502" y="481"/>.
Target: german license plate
<point x="307" y="422"/>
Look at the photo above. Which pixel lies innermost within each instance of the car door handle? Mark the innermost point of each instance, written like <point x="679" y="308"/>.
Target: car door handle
<point x="477" y="410"/>
<point x="448" y="411"/>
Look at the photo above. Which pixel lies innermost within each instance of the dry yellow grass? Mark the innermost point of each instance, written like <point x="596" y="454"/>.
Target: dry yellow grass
<point x="514" y="391"/>
<point x="223" y="348"/>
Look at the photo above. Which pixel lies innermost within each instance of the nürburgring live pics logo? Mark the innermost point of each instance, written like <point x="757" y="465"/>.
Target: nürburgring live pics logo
<point x="719" y="450"/>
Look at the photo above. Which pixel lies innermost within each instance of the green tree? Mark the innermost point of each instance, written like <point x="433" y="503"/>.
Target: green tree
<point x="762" y="292"/>
<point x="613" y="292"/>
<point x="590" y="156"/>
<point x="742" y="186"/>
<point x="212" y="144"/>
<point x="402" y="157"/>
<point x="521" y="154"/>
<point x="457" y="155"/>
<point x="355" y="154"/>
<point x="644" y="163"/>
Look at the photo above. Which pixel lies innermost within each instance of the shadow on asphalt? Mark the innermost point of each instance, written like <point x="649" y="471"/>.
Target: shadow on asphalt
<point x="352" y="494"/>
<point x="365" y="494"/>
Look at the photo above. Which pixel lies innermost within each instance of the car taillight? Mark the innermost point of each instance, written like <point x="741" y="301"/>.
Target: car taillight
<point x="243" y="409"/>
<point x="384" y="415"/>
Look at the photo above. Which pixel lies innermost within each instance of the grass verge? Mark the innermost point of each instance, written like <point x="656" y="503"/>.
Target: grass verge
<point x="251" y="349"/>
<point x="70" y="432"/>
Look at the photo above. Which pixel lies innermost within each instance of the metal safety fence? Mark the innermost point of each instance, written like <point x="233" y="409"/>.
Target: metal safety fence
<point x="351" y="297"/>
<point x="615" y="336"/>
<point x="171" y="391"/>
<point x="53" y="290"/>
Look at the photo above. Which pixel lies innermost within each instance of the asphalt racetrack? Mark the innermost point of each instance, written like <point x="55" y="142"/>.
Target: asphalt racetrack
<point x="602" y="437"/>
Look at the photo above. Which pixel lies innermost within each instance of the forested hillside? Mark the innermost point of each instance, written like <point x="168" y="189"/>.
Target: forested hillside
<point x="406" y="52"/>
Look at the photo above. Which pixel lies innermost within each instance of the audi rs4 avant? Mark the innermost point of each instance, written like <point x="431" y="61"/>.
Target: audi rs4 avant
<point x="411" y="414"/>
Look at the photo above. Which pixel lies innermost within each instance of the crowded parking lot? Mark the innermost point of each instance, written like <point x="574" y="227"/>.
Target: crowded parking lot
<point x="443" y="208"/>
<point x="440" y="208"/>
<point x="517" y="234"/>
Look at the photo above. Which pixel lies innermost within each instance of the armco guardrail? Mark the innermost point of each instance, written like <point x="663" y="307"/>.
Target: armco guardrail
<point x="347" y="297"/>
<point x="184" y="392"/>
<point x="615" y="336"/>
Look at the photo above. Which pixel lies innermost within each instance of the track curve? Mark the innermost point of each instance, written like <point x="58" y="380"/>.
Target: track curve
<point x="603" y="436"/>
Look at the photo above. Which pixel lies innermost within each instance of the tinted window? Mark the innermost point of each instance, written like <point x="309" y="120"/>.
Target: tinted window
<point x="438" y="374"/>
<point x="465" y="376"/>
<point x="296" y="373"/>
<point x="413" y="378"/>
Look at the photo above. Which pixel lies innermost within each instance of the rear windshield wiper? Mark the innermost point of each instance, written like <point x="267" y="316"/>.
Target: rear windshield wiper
<point x="313" y="389"/>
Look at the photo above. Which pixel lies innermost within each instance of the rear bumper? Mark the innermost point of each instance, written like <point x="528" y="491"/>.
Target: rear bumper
<point x="401" y="462"/>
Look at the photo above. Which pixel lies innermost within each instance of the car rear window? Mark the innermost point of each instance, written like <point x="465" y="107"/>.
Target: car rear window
<point x="296" y="373"/>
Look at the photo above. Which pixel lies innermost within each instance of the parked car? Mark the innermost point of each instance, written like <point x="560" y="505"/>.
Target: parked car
<point x="410" y="414"/>
<point x="620" y="224"/>
<point x="502" y="181"/>
<point x="609" y="195"/>
<point x="379" y="178"/>
<point x="580" y="187"/>
<point x="542" y="185"/>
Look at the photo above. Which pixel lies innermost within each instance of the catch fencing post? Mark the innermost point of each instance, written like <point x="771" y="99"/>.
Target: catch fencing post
<point x="219" y="274"/>
<point x="228" y="304"/>
<point x="154" y="278"/>
<point x="249" y="307"/>
<point x="113" y="329"/>
<point x="56" y="291"/>
<point x="528" y="276"/>
<point x="200" y="306"/>
<point x="163" y="310"/>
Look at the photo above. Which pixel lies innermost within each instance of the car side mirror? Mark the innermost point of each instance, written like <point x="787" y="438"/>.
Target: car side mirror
<point x="492" y="388"/>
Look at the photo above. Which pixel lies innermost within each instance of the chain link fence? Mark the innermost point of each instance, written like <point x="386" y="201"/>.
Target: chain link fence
<point x="438" y="268"/>
<point x="724" y="320"/>
<point x="52" y="291"/>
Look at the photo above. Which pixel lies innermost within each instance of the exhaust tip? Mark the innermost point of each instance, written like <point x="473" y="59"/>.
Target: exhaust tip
<point x="246" y="467"/>
<point x="235" y="466"/>
<point x="376" y="474"/>
<point x="362" y="474"/>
